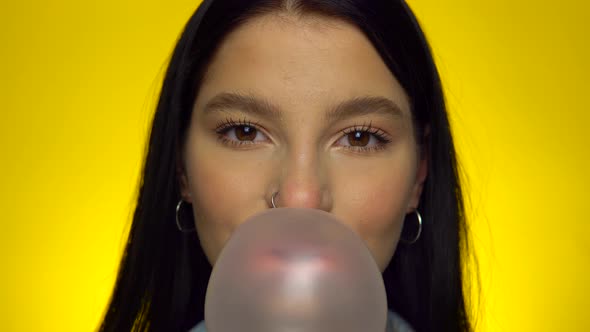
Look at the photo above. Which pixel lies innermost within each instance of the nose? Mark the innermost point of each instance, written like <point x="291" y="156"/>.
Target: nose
<point x="304" y="183"/>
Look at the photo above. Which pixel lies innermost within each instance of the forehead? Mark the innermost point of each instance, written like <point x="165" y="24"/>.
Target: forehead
<point x="300" y="63"/>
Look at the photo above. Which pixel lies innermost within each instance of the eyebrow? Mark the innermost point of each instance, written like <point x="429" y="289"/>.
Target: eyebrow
<point x="364" y="106"/>
<point x="261" y="107"/>
<point x="227" y="101"/>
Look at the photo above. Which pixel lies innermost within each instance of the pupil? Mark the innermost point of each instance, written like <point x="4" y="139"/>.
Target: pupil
<point x="358" y="138"/>
<point x="245" y="133"/>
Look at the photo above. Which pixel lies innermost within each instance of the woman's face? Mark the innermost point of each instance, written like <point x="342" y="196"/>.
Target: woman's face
<point x="306" y="107"/>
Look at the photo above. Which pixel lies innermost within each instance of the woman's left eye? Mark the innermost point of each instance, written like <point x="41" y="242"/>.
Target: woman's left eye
<point x="363" y="139"/>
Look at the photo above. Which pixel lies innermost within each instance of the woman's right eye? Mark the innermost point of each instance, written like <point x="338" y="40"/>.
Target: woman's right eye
<point x="239" y="133"/>
<point x="243" y="133"/>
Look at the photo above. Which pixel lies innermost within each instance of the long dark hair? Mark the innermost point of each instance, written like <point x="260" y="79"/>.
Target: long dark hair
<point x="164" y="273"/>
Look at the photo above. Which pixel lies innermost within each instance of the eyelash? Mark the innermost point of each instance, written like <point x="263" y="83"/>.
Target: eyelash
<point x="228" y="124"/>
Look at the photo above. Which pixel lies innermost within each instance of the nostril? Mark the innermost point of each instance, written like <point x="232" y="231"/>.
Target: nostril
<point x="273" y="202"/>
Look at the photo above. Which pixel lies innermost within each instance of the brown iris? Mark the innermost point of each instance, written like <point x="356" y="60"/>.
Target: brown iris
<point x="245" y="133"/>
<point x="359" y="138"/>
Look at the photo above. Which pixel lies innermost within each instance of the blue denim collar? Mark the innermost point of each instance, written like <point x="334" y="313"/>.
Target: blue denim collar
<point x="395" y="323"/>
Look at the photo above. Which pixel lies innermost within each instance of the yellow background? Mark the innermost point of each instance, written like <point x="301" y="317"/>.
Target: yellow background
<point x="78" y="80"/>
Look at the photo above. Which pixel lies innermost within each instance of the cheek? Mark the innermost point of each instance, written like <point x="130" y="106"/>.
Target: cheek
<point x="376" y="207"/>
<point x="378" y="214"/>
<point x="379" y="221"/>
<point x="222" y="197"/>
<point x="214" y="188"/>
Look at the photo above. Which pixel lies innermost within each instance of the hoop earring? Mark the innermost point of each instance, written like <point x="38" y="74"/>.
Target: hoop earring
<point x="412" y="241"/>
<point x="272" y="200"/>
<point x="180" y="228"/>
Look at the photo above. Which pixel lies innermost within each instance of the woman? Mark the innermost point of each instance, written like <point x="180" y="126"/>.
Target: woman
<point x="333" y="105"/>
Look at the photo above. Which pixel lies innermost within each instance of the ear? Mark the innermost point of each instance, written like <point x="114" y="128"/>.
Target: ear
<point x="185" y="192"/>
<point x="421" y="173"/>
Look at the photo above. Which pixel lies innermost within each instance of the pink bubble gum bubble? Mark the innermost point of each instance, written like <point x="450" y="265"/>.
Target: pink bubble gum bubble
<point x="295" y="270"/>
